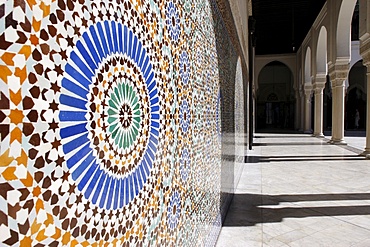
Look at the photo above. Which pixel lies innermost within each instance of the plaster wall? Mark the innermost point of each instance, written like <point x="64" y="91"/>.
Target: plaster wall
<point x="289" y="60"/>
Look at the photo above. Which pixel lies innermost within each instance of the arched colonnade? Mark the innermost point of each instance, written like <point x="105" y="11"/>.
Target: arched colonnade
<point x="327" y="53"/>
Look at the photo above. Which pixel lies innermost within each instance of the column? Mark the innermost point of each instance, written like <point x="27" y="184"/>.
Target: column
<point x="297" y="110"/>
<point x="302" y="105"/>
<point x="333" y="111"/>
<point x="254" y="112"/>
<point x="365" y="53"/>
<point x="367" y="145"/>
<point x="319" y="85"/>
<point x="307" y="119"/>
<point x="338" y="75"/>
<point x="338" y="138"/>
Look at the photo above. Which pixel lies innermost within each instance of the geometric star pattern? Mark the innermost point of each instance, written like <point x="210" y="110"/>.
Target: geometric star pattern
<point x="107" y="109"/>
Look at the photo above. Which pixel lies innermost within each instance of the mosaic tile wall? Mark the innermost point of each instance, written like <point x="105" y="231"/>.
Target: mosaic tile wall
<point x="232" y="81"/>
<point x="110" y="122"/>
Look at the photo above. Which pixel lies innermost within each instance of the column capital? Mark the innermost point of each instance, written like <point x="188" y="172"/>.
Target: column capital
<point x="319" y="81"/>
<point x="338" y="71"/>
<point x="307" y="87"/>
<point x="366" y="58"/>
<point x="308" y="91"/>
<point x="365" y="51"/>
<point x="319" y="90"/>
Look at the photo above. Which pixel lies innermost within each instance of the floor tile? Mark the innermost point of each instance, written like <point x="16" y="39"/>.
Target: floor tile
<point x="297" y="190"/>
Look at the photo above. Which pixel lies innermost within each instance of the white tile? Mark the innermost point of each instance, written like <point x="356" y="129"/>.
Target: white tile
<point x="365" y="243"/>
<point x="290" y="186"/>
<point x="272" y="241"/>
<point x="240" y="236"/>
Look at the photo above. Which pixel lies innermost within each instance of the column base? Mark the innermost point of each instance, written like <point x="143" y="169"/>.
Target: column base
<point x="366" y="153"/>
<point x="337" y="142"/>
<point x="319" y="135"/>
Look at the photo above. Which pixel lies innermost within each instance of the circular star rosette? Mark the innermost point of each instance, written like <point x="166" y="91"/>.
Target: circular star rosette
<point x="109" y="115"/>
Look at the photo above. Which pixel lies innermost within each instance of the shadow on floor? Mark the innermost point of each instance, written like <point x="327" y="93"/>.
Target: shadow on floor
<point x="278" y="131"/>
<point x="266" y="159"/>
<point x="279" y="136"/>
<point x="251" y="209"/>
<point x="290" y="143"/>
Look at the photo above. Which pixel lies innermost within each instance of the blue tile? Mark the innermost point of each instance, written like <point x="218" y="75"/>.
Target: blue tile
<point x="80" y="154"/>
<point x="85" y="163"/>
<point x="73" y="130"/>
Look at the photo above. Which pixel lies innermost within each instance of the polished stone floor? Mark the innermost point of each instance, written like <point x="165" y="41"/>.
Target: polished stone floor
<point x="298" y="190"/>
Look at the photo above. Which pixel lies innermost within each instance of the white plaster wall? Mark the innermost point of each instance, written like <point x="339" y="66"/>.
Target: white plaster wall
<point x="289" y="60"/>
<point x="239" y="9"/>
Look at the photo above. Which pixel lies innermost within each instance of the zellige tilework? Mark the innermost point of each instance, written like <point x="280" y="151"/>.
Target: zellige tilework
<point x="110" y="119"/>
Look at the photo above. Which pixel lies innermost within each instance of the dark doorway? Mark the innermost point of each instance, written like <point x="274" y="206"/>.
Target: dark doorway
<point x="275" y="98"/>
<point x="327" y="120"/>
<point x="355" y="114"/>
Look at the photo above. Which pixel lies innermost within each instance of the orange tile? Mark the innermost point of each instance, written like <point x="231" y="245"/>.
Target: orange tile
<point x="4" y="73"/>
<point x="22" y="159"/>
<point x="66" y="238"/>
<point x="26" y="51"/>
<point x="27" y="181"/>
<point x="16" y="116"/>
<point x="16" y="98"/>
<point x="39" y="205"/>
<point x="34" y="39"/>
<point x="45" y="9"/>
<point x="5" y="159"/>
<point x="8" y="174"/>
<point x="26" y="242"/>
<point x="7" y="57"/>
<point x="35" y="227"/>
<point x="36" y="25"/>
<point x="21" y="74"/>
<point x="16" y="135"/>
<point x="36" y="191"/>
<point x="49" y="220"/>
<point x="41" y="236"/>
<point x="31" y="3"/>
<point x="57" y="234"/>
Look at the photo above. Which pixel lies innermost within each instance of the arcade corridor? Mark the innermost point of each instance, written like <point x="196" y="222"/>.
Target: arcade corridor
<point x="297" y="190"/>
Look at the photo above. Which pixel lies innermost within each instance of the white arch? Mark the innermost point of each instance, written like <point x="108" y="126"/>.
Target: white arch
<point x="307" y="66"/>
<point x="240" y="126"/>
<point x="287" y="62"/>
<point x="239" y="100"/>
<point x="321" y="52"/>
<point x="271" y="61"/>
<point x="344" y="28"/>
<point x="355" y="62"/>
<point x="264" y="93"/>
